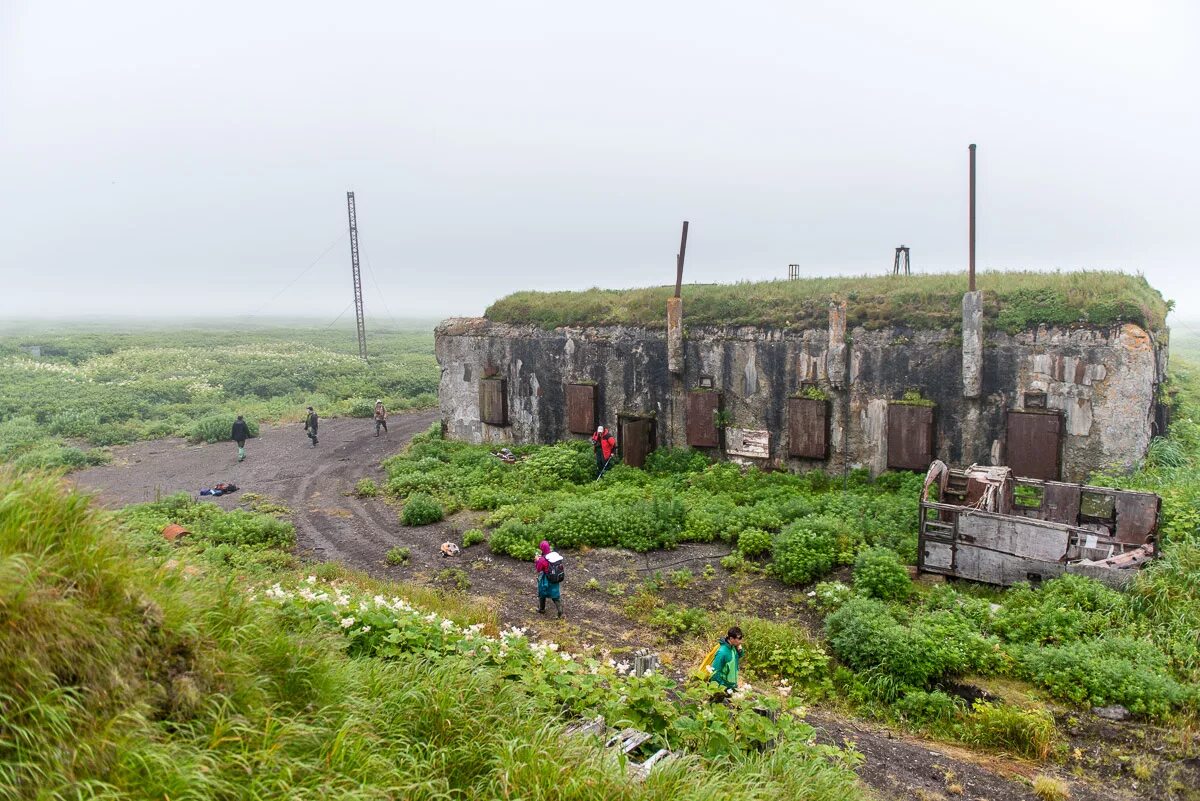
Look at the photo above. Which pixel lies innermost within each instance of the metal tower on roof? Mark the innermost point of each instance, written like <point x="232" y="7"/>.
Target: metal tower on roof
<point x="358" y="301"/>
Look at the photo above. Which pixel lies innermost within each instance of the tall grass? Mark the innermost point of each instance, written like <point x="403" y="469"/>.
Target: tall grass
<point x="123" y="678"/>
<point x="1012" y="301"/>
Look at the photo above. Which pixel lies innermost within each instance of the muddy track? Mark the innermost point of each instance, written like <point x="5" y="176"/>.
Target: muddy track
<point x="333" y="525"/>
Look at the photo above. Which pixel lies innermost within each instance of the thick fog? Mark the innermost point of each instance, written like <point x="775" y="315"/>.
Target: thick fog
<point x="165" y="158"/>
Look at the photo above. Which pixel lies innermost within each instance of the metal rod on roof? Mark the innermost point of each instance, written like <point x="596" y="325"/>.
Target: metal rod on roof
<point x="971" y="234"/>
<point x="679" y="260"/>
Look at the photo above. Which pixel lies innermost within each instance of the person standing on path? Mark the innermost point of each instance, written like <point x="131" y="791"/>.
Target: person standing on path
<point x="549" y="576"/>
<point x="310" y="426"/>
<point x="380" y="417"/>
<point x="240" y="433"/>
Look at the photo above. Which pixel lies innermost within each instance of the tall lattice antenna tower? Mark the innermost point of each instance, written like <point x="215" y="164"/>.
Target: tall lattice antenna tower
<point x="358" y="304"/>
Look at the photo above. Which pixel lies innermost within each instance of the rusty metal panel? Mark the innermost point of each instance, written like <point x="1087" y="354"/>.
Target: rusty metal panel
<point x="493" y="401"/>
<point x="1137" y="516"/>
<point x="808" y="428"/>
<point x="637" y="440"/>
<point x="581" y="408"/>
<point x="1060" y="504"/>
<point x="702" y="431"/>
<point x="909" y="436"/>
<point x="1033" y="444"/>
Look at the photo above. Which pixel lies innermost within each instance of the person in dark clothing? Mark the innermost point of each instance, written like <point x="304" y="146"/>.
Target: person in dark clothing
<point x="605" y="444"/>
<point x="380" y="417"/>
<point x="310" y="426"/>
<point x="241" y="433"/>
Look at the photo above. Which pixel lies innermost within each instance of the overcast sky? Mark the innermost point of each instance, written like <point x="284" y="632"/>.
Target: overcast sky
<point x="161" y="157"/>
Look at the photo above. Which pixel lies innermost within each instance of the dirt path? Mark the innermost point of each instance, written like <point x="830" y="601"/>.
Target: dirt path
<point x="333" y="525"/>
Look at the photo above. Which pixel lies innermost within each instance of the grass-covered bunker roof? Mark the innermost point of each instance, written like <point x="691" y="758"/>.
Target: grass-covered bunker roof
<point x="1012" y="301"/>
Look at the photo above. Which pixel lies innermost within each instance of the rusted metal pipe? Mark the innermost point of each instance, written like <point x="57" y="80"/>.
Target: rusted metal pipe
<point x="971" y="234"/>
<point x="679" y="260"/>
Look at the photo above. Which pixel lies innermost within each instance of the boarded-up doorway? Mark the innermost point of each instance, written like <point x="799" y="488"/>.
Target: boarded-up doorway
<point x="637" y="439"/>
<point x="808" y="428"/>
<point x="493" y="401"/>
<point x="909" y="436"/>
<point x="702" y="410"/>
<point x="1033" y="444"/>
<point x="581" y="408"/>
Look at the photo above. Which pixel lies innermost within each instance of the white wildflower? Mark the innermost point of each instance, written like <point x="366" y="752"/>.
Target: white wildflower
<point x="311" y="580"/>
<point x="347" y="622"/>
<point x="364" y="629"/>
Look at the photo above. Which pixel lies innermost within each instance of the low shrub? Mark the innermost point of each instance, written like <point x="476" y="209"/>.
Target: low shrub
<point x="783" y="651"/>
<point x="421" y="510"/>
<point x="366" y="488"/>
<point x="1025" y="732"/>
<point x="516" y="539"/>
<point x="677" y="621"/>
<point x="473" y="536"/>
<point x="923" y="708"/>
<point x="802" y="554"/>
<point x="754" y="542"/>
<point x="878" y="573"/>
<point x="1101" y="672"/>
<point x="681" y="578"/>
<point x="217" y="428"/>
<point x="398" y="555"/>
<point x="830" y="595"/>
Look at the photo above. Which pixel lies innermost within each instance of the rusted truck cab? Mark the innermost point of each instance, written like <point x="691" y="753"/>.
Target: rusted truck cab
<point x="988" y="525"/>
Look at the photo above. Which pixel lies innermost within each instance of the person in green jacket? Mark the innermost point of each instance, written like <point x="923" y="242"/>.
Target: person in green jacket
<point x="725" y="663"/>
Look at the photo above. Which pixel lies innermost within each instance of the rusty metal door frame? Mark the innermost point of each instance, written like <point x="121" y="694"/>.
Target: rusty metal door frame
<point x="1031" y="426"/>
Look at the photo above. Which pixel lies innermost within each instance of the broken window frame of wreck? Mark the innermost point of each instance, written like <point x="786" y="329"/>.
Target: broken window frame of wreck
<point x="1102" y="382"/>
<point x="980" y="530"/>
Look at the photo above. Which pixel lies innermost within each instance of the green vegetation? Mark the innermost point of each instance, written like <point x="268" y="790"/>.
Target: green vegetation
<point x="125" y="675"/>
<point x="93" y="388"/>
<point x="1012" y="301"/>
<point x="550" y="493"/>
<point x="398" y="555"/>
<point x="421" y="510"/>
<point x="366" y="488"/>
<point x="878" y="573"/>
<point x="473" y="536"/>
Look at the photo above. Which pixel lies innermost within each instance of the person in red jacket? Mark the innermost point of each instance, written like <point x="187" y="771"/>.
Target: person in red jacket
<point x="604" y="444"/>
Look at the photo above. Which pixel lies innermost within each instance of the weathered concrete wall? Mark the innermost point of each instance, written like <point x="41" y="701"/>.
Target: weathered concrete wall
<point x="1103" y="381"/>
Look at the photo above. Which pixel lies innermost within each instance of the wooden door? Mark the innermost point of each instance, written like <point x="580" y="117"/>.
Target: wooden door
<point x="1033" y="444"/>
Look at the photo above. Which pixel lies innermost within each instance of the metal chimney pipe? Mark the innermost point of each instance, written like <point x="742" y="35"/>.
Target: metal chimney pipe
<point x="971" y="235"/>
<point x="679" y="260"/>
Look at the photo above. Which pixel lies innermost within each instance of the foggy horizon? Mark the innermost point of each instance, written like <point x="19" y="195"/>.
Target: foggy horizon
<point x="162" y="163"/>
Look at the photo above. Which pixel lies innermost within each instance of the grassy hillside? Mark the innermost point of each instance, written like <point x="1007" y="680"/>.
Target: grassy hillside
<point x="105" y="386"/>
<point x="1012" y="301"/>
<point x="124" y="675"/>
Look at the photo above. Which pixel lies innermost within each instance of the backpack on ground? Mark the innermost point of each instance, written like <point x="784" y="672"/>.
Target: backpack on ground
<point x="558" y="568"/>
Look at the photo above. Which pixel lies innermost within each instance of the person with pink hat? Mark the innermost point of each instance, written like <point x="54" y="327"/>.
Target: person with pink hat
<point x="550" y="573"/>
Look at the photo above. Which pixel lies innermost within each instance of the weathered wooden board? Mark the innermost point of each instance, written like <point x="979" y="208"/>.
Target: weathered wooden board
<point x="909" y="436"/>
<point x="1137" y="516"/>
<point x="1029" y="538"/>
<point x="1033" y="444"/>
<point x="937" y="556"/>
<point x="493" y="401"/>
<point x="702" y="407"/>
<point x="1060" y="503"/>
<point x="808" y="428"/>
<point x="581" y="408"/>
<point x="636" y="441"/>
<point x="755" y="444"/>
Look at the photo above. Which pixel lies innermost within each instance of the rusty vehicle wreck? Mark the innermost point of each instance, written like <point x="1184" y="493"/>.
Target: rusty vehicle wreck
<point x="991" y="526"/>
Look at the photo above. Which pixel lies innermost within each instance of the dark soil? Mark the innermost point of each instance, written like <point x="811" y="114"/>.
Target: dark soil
<point x="333" y="525"/>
